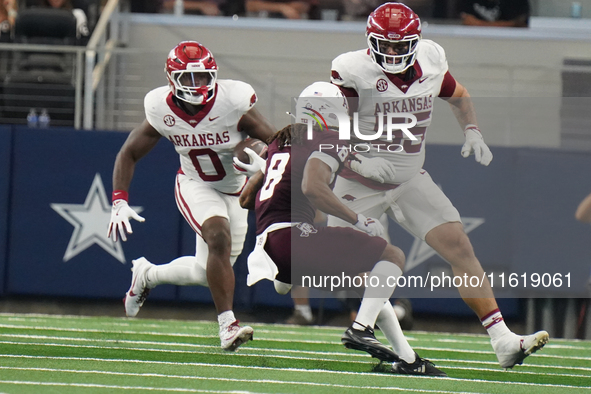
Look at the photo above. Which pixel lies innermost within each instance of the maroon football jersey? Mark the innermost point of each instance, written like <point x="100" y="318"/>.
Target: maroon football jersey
<point x="281" y="198"/>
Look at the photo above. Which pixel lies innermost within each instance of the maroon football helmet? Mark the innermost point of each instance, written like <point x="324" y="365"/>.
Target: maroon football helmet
<point x="192" y="72"/>
<point x="393" y="32"/>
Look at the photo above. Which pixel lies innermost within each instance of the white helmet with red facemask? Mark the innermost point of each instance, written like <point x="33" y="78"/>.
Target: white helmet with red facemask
<point x="192" y="72"/>
<point x="393" y="32"/>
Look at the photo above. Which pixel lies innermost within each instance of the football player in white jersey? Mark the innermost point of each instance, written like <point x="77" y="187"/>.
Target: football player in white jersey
<point x="204" y="118"/>
<point x="396" y="81"/>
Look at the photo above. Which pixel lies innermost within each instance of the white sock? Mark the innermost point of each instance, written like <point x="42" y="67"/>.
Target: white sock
<point x="183" y="271"/>
<point x="305" y="310"/>
<point x="495" y="324"/>
<point x="388" y="323"/>
<point x="374" y="298"/>
<point x="226" y="318"/>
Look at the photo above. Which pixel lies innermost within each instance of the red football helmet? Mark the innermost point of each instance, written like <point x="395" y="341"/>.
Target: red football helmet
<point x="393" y="32"/>
<point x="192" y="72"/>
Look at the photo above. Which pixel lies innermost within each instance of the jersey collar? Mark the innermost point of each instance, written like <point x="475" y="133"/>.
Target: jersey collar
<point x="399" y="81"/>
<point x="192" y="120"/>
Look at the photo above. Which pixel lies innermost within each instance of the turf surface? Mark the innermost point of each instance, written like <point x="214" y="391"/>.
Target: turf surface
<point x="73" y="354"/>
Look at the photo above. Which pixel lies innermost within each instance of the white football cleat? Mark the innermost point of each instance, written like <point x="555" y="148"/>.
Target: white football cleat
<point x="233" y="336"/>
<point x="512" y="349"/>
<point x="135" y="297"/>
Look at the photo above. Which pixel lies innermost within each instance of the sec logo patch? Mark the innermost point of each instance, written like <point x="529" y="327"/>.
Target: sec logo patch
<point x="169" y="120"/>
<point x="382" y="85"/>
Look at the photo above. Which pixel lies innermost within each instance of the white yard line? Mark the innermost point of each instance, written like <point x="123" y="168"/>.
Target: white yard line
<point x="270" y="381"/>
<point x="106" y="386"/>
<point x="232" y="380"/>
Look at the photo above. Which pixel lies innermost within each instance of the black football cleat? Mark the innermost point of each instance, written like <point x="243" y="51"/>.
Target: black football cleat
<point x="421" y="367"/>
<point x="366" y="342"/>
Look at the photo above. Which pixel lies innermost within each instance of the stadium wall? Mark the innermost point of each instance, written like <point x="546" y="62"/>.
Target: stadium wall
<point x="55" y="205"/>
<point x="515" y="75"/>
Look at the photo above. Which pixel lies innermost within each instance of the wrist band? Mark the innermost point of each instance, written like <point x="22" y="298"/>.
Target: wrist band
<point x="472" y="127"/>
<point x="120" y="195"/>
<point x="353" y="157"/>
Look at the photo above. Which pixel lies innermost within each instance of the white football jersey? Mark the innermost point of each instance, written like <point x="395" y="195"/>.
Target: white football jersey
<point x="205" y="142"/>
<point x="380" y="93"/>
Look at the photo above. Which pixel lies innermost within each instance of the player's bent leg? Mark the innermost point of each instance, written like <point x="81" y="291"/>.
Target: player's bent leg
<point x="452" y="243"/>
<point x="394" y="255"/>
<point x="238" y="218"/>
<point x="360" y="335"/>
<point x="182" y="271"/>
<point x="220" y="277"/>
<point x="139" y="290"/>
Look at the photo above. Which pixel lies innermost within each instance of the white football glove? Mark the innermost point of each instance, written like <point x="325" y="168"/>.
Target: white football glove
<point x="258" y="163"/>
<point x="120" y="214"/>
<point x="376" y="168"/>
<point x="475" y="145"/>
<point x="369" y="225"/>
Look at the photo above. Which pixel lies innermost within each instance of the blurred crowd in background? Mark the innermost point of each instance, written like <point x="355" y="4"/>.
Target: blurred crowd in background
<point x="469" y="12"/>
<point x="472" y="12"/>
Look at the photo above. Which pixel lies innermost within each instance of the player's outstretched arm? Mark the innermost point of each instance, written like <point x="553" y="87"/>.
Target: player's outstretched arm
<point x="248" y="196"/>
<point x="139" y="142"/>
<point x="316" y="186"/>
<point x="583" y="213"/>
<point x="463" y="109"/>
<point x="256" y="125"/>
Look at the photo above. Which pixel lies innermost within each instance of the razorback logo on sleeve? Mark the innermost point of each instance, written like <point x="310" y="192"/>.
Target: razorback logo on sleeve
<point x="253" y="99"/>
<point x="335" y="75"/>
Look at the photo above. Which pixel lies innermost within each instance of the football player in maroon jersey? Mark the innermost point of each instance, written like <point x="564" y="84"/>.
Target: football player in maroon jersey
<point x="297" y="179"/>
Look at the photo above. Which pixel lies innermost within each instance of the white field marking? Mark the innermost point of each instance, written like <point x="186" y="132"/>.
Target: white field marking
<point x="33" y="317"/>
<point x="278" y="327"/>
<point x="548" y="346"/>
<point x="211" y="324"/>
<point x="486" y="352"/>
<point x="450" y="340"/>
<point x="446" y="367"/>
<point x="193" y="364"/>
<point x="255" y="381"/>
<point x="181" y="344"/>
<point x="233" y="366"/>
<point x="82" y="330"/>
<point x="293" y="357"/>
<point x="198" y="346"/>
<point x="444" y="360"/>
<point x="182" y="351"/>
<point x="46" y="317"/>
<point x="250" y="348"/>
<point x="566" y="375"/>
<point x="209" y="365"/>
<point x="105" y="386"/>
<point x="537" y="355"/>
<point x="302" y="358"/>
<point x="567" y="347"/>
<point x="190" y="335"/>
<point x="268" y="381"/>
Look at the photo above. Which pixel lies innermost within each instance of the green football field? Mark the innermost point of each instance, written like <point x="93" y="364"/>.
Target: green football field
<point x="73" y="354"/>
